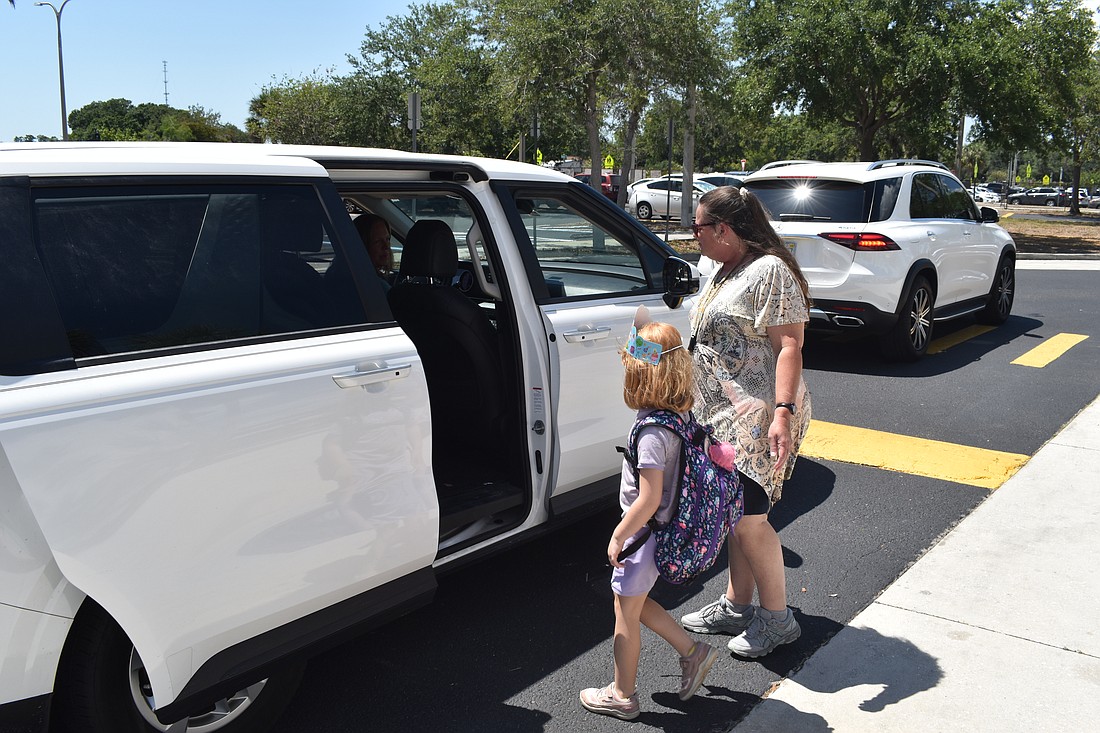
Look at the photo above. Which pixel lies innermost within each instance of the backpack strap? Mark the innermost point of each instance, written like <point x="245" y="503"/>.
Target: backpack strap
<point x="670" y="421"/>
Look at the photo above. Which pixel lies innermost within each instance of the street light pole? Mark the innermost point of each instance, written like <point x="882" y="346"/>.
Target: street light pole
<point x="60" y="66"/>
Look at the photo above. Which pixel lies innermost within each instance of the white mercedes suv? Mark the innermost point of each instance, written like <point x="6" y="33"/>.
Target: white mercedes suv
<point x="889" y="247"/>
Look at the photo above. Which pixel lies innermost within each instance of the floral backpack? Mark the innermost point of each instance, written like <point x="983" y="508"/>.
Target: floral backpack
<point x="707" y="504"/>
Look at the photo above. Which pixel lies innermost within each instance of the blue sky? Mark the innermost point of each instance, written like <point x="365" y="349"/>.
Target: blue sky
<point x="220" y="53"/>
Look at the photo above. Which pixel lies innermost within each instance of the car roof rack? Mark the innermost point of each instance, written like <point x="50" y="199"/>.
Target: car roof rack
<point x="781" y="163"/>
<point x="904" y="161"/>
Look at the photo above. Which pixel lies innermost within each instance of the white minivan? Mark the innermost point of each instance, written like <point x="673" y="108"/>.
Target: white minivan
<point x="228" y="441"/>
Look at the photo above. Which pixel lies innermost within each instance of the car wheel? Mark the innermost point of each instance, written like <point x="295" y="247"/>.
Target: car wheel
<point x="1050" y="202"/>
<point x="999" y="304"/>
<point x="645" y="211"/>
<point x="102" y="688"/>
<point x="909" y="338"/>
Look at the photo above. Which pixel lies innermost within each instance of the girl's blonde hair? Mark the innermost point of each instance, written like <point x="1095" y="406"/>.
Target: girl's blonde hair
<point x="667" y="385"/>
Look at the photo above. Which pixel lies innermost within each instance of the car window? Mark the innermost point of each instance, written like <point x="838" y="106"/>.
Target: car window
<point x="404" y="210"/>
<point x="926" y="199"/>
<point x="134" y="270"/>
<point x="662" y="186"/>
<point x="577" y="257"/>
<point x="816" y="199"/>
<point x="957" y="201"/>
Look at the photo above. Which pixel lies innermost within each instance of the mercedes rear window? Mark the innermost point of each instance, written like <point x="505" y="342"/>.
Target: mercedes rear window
<point x="818" y="199"/>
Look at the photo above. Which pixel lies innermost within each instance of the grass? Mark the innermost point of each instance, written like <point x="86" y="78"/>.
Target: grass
<point x="1057" y="234"/>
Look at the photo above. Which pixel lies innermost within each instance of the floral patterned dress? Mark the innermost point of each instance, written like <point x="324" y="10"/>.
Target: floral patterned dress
<point x="735" y="363"/>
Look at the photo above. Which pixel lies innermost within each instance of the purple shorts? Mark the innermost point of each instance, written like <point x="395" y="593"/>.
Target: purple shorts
<point x="639" y="571"/>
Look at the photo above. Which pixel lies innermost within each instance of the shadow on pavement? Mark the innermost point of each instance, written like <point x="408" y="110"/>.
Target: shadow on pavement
<point x="851" y="355"/>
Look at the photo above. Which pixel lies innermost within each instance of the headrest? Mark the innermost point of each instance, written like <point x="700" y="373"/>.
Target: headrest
<point x="429" y="251"/>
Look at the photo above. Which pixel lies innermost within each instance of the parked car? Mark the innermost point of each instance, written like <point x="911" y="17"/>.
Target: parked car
<point x="1039" y="196"/>
<point x="890" y="247"/>
<point x="609" y="184"/>
<point x="228" y="443"/>
<point x="722" y="179"/>
<point x="985" y="195"/>
<point x="663" y="195"/>
<point x="1094" y="202"/>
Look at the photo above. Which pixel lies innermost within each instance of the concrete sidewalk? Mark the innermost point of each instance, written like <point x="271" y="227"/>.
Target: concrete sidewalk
<point x="993" y="629"/>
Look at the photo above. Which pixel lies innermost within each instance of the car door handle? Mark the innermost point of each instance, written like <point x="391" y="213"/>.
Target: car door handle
<point x="589" y="334"/>
<point x="363" y="377"/>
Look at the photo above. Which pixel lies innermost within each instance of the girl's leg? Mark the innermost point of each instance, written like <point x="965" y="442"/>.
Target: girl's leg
<point x="628" y="643"/>
<point x="655" y="617"/>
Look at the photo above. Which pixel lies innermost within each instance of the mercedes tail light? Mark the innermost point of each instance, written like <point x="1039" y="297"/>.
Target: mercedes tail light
<point x="862" y="241"/>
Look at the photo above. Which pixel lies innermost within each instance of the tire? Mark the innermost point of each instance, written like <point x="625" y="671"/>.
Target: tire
<point x="101" y="688"/>
<point x="1049" y="202"/>
<point x="645" y="211"/>
<point x="998" y="306"/>
<point x="909" y="338"/>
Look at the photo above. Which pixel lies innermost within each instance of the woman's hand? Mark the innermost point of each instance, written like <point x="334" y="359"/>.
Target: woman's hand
<point x="779" y="438"/>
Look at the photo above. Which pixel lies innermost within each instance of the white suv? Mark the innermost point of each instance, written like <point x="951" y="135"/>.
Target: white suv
<point x="889" y="247"/>
<point x="227" y="442"/>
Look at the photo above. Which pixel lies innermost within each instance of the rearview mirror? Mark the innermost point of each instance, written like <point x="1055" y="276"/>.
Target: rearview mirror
<point x="990" y="216"/>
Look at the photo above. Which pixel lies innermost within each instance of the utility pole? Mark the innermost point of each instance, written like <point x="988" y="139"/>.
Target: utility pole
<point x="165" y="64"/>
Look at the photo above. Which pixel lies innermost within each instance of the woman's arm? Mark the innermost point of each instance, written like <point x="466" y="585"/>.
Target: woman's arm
<point x="787" y="345"/>
<point x="650" y="487"/>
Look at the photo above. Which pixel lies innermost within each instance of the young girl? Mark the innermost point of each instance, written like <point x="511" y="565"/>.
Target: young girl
<point x="658" y="376"/>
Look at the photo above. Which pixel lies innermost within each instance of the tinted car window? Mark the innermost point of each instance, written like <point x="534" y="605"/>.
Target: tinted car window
<point x="926" y="200"/>
<point x="826" y="200"/>
<point x="139" y="269"/>
<point x="957" y="201"/>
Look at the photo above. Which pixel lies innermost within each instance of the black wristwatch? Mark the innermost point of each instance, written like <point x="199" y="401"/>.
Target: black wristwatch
<point x="789" y="405"/>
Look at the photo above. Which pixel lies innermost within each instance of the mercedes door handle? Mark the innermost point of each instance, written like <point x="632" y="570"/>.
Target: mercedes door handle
<point x="362" y="378"/>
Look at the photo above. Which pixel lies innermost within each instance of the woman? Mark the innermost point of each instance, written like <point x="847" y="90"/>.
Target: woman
<point x="746" y="344"/>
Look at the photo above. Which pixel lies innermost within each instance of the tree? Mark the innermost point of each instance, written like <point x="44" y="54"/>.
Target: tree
<point x="119" y="119"/>
<point x="437" y="50"/>
<point x="296" y="111"/>
<point x="557" y="51"/>
<point x="865" y="63"/>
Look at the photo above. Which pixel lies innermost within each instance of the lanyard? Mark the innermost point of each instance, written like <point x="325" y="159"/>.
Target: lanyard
<point x="713" y="285"/>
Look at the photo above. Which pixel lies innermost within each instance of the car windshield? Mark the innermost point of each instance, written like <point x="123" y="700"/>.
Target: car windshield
<point x="817" y="199"/>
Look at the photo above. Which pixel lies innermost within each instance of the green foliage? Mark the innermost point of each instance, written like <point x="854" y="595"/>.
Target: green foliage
<point x="119" y="119"/>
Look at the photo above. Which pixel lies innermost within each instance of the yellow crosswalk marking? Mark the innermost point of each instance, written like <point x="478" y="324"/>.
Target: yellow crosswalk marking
<point x="945" y="343"/>
<point x="1050" y="350"/>
<point x="962" y="464"/>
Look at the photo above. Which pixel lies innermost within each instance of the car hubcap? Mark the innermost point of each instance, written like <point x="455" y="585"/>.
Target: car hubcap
<point x="1005" y="288"/>
<point x="920" y="319"/>
<point x="221" y="714"/>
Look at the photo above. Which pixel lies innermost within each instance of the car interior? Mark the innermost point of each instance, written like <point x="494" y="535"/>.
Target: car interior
<point x="448" y="298"/>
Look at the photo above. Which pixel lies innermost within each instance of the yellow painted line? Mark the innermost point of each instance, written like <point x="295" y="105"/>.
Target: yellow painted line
<point x="962" y="464"/>
<point x="1050" y="350"/>
<point x="1006" y="214"/>
<point x="945" y="343"/>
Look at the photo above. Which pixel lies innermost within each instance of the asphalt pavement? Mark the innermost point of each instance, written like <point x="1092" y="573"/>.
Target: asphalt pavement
<point x="991" y="630"/>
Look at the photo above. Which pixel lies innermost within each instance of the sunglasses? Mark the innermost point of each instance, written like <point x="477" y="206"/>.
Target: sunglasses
<point x="696" y="228"/>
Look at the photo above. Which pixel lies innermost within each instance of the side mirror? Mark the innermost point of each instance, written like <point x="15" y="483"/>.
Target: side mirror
<point x="678" y="281"/>
<point x="990" y="216"/>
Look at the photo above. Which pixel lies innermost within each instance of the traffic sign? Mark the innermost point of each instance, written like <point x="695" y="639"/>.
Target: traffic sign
<point x="608" y="161"/>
